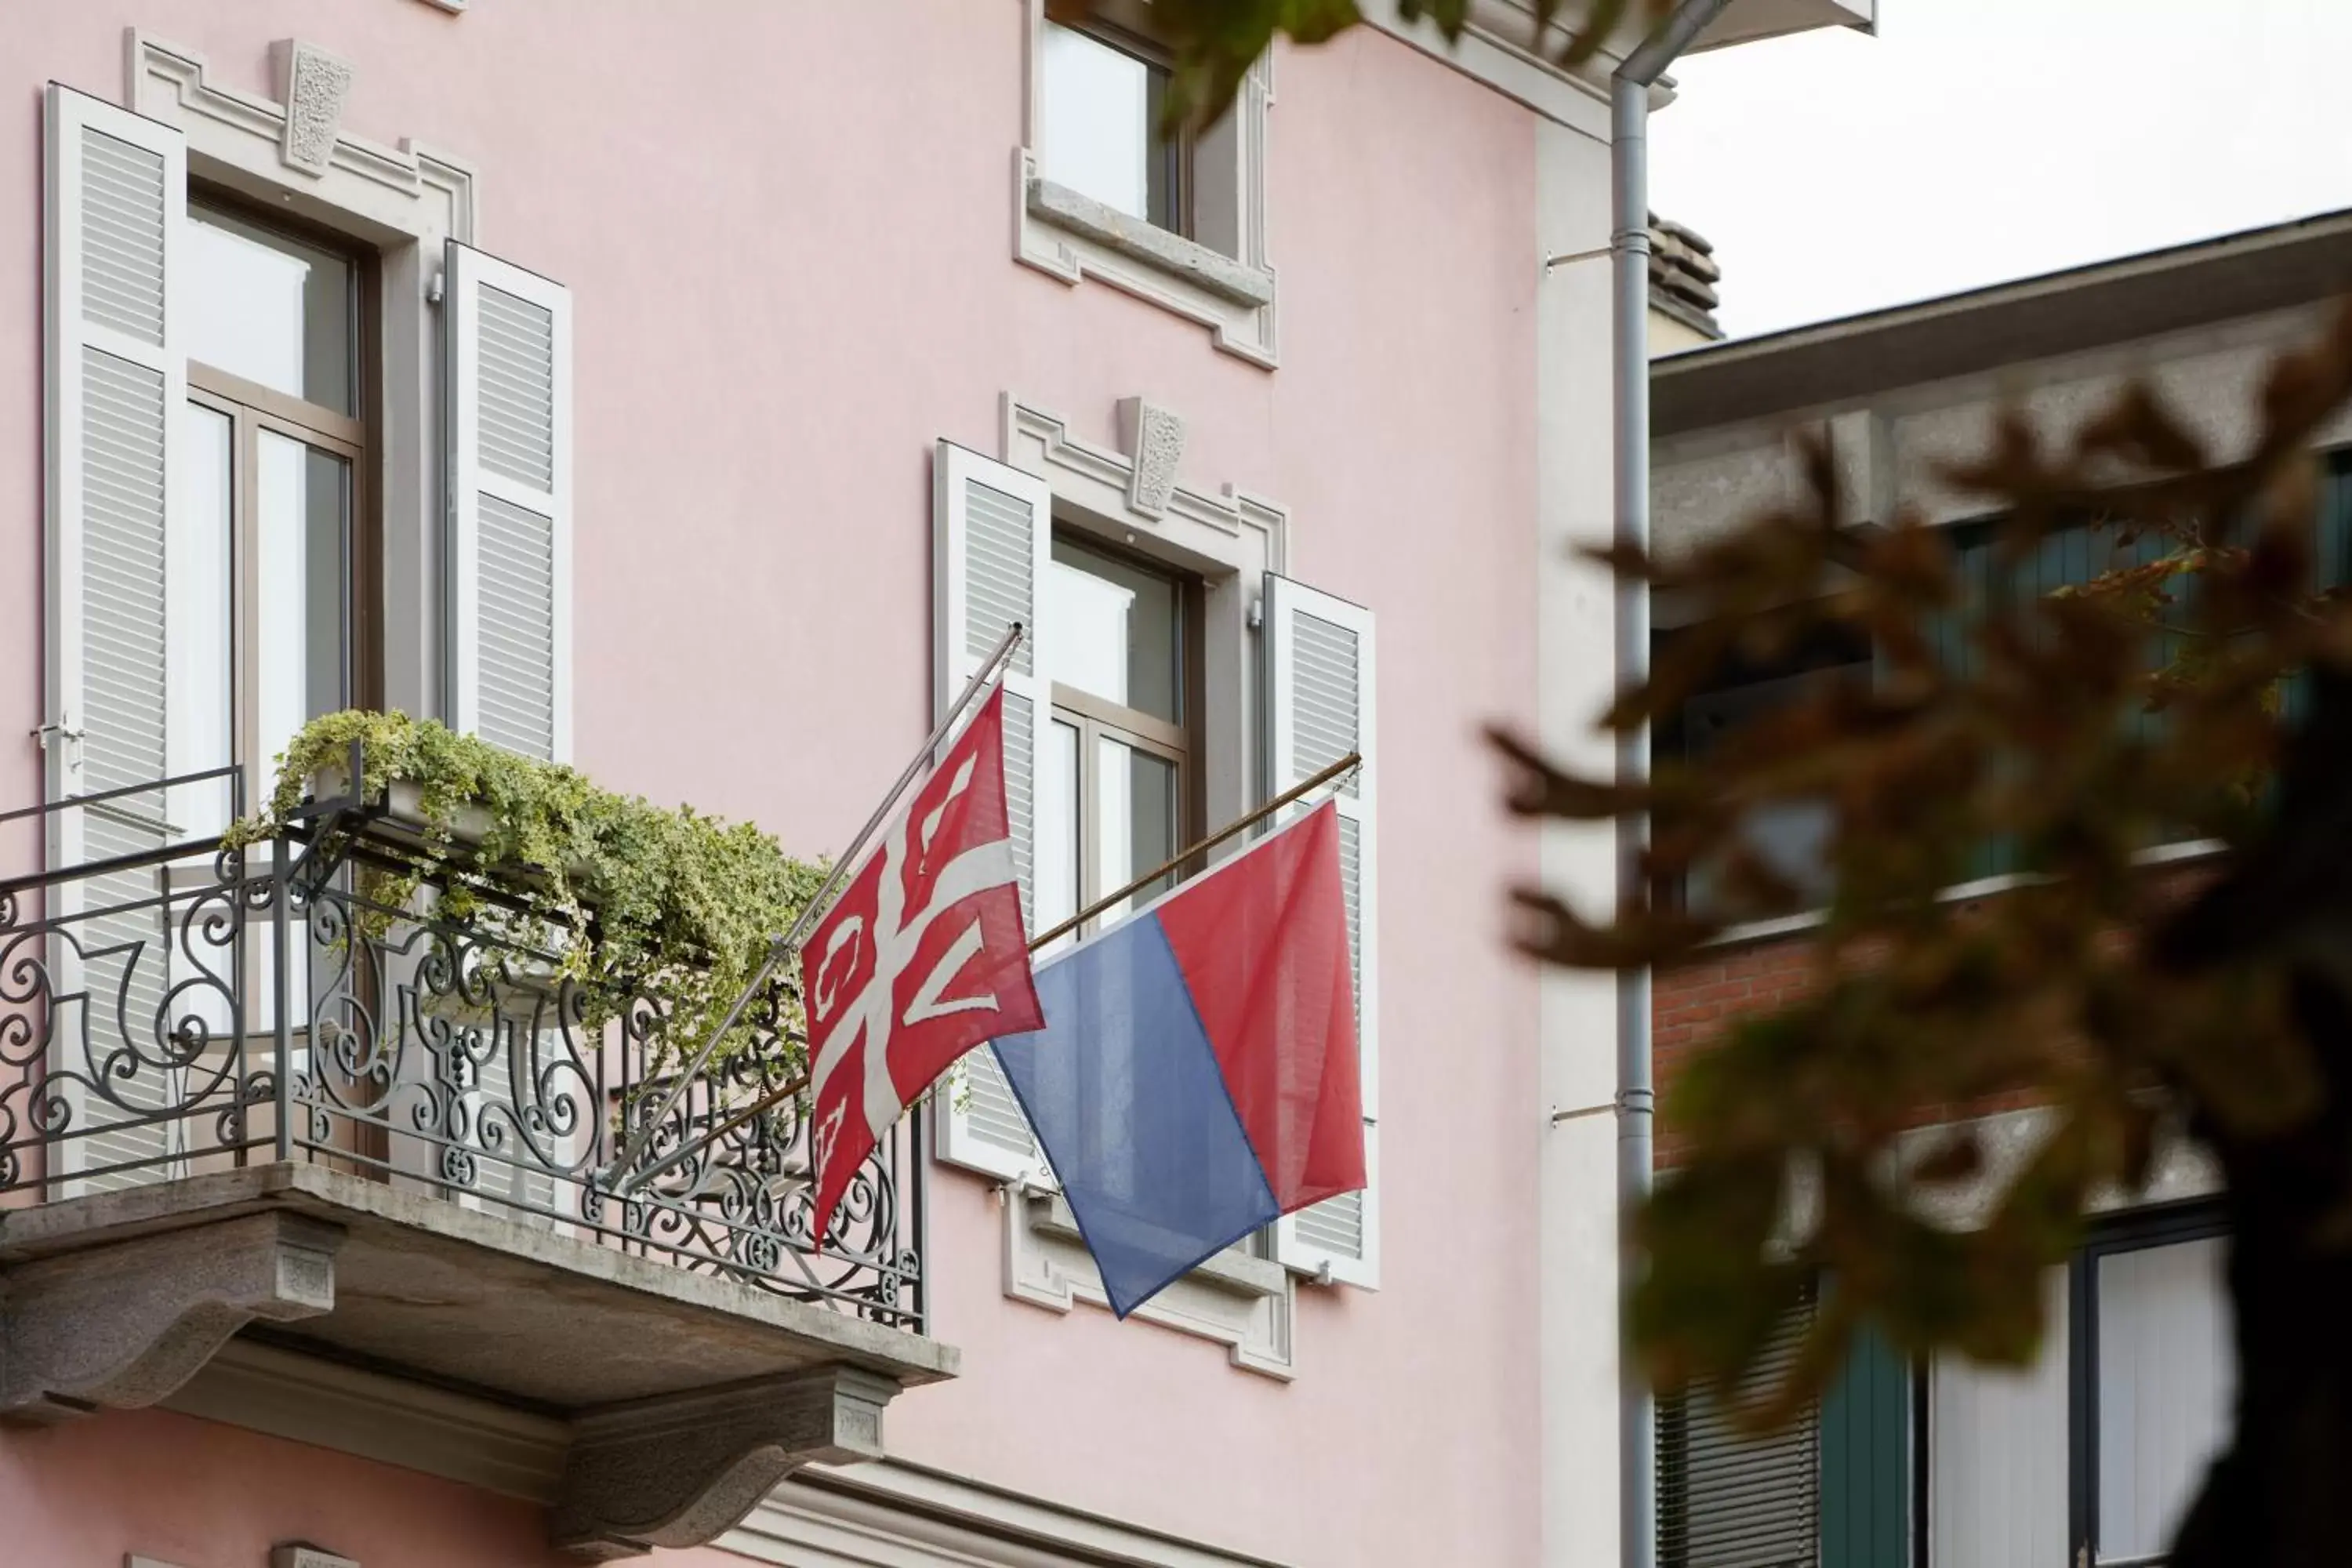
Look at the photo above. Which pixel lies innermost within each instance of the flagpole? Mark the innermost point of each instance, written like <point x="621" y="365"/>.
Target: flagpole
<point x="1338" y="770"/>
<point x="774" y="1097"/>
<point x="810" y="912"/>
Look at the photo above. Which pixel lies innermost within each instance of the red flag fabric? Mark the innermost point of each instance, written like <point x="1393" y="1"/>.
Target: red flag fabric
<point x="923" y="958"/>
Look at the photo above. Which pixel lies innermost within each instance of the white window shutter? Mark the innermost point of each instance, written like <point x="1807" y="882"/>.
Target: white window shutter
<point x="116" y="381"/>
<point x="510" y="357"/>
<point x="1319" y="707"/>
<point x="991" y="535"/>
<point x="510" y="424"/>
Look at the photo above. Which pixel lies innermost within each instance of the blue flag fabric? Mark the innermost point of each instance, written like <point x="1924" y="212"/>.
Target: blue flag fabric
<point x="1196" y="1077"/>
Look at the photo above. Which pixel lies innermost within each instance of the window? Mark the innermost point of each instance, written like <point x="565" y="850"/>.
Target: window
<point x="1179" y="220"/>
<point x="1790" y="837"/>
<point x="2090" y="1456"/>
<point x="1116" y="750"/>
<point x="1106" y="95"/>
<point x="2136" y="1365"/>
<point x="262" y="549"/>
<point x="1115" y="774"/>
<point x="213" y="444"/>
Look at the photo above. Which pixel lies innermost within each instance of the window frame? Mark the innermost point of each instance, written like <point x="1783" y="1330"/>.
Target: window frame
<point x="2137" y="1230"/>
<point x="2141" y="1231"/>
<point x="1094" y="717"/>
<point x="252" y="408"/>
<point x="1174" y="158"/>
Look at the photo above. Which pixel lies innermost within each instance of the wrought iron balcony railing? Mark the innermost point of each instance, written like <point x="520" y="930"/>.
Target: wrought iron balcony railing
<point x="171" y="1006"/>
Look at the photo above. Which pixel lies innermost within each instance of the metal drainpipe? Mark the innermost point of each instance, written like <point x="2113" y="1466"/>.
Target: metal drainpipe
<point x="1629" y="247"/>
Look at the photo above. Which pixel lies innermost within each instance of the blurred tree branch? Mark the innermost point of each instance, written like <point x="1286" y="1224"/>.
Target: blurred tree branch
<point x="2081" y="727"/>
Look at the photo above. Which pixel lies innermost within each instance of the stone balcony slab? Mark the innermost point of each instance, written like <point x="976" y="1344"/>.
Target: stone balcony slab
<point x="116" y="1300"/>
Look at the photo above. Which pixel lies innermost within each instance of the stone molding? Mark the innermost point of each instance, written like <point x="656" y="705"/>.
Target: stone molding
<point x="247" y="141"/>
<point x="1249" y="1305"/>
<point x="313" y="83"/>
<point x="1154" y="439"/>
<point x="121" y="1325"/>
<point x="896" y="1514"/>
<point x="1107" y="483"/>
<point x="682" y="1470"/>
<point x="269" y="1388"/>
<point x="1187" y="260"/>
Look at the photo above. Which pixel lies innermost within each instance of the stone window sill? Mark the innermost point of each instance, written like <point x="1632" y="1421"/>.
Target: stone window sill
<point x="1183" y="260"/>
<point x="1073" y="238"/>
<point x="1243" y="1303"/>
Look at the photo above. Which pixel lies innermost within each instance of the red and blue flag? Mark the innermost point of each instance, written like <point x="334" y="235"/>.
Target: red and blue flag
<point x="1196" y="1075"/>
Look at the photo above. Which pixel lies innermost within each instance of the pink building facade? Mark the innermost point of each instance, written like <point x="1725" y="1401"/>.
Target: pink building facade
<point x="691" y="393"/>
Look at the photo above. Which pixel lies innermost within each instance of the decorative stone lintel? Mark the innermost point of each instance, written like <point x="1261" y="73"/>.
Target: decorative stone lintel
<point x="1154" y="439"/>
<point x="121" y="1325"/>
<point x="681" y="1470"/>
<point x="1172" y="253"/>
<point x="313" y="84"/>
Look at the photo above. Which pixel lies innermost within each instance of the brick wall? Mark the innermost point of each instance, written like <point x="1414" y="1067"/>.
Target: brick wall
<point x="1690" y="1005"/>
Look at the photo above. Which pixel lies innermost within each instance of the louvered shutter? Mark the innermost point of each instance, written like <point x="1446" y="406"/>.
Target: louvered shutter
<point x="1865" y="1442"/>
<point x="1728" y="1500"/>
<point x="992" y="534"/>
<point x="1319" y="705"/>
<point x="510" y="357"/>
<point x="511" y="500"/>
<point x="116" y="197"/>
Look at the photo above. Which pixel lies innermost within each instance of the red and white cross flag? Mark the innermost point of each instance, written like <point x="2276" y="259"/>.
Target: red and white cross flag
<point x="923" y="958"/>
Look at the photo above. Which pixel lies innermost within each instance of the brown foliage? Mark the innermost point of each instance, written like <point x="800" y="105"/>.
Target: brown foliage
<point x="1792" y="1127"/>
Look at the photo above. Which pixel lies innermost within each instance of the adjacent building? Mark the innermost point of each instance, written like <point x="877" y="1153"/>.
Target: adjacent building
<point x="2090" y="1456"/>
<point x="692" y="393"/>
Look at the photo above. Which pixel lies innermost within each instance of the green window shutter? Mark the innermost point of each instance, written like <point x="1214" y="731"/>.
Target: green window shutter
<point x="1866" y="1460"/>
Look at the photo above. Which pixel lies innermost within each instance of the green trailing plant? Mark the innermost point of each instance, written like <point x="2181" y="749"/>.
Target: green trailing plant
<point x="629" y="897"/>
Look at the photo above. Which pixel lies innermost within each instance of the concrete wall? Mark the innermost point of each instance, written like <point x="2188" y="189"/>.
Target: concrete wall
<point x="1890" y="446"/>
<point x="787" y="235"/>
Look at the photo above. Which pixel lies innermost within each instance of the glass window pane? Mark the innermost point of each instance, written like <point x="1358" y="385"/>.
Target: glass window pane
<point x="199" y="676"/>
<point x="302" y="595"/>
<point x="1997" y="1456"/>
<point x="1099" y="119"/>
<point x="1135" y="796"/>
<point x="270" y="308"/>
<point x="1056" y="895"/>
<point x="2166" y="1377"/>
<point x="1113" y="630"/>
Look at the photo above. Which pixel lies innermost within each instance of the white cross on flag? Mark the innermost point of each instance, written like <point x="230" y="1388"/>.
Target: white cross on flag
<point x="923" y="958"/>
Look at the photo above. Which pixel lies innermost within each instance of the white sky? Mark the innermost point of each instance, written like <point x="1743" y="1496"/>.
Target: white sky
<point x="1976" y="140"/>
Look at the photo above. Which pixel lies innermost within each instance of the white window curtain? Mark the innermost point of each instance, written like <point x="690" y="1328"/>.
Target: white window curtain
<point x="1997" y="1457"/>
<point x="2166" y="1376"/>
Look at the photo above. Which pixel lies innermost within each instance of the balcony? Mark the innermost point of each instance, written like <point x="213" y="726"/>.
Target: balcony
<point x="255" y="1123"/>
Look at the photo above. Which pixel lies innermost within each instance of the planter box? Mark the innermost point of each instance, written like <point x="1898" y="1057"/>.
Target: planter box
<point x="404" y="820"/>
<point x="403" y="807"/>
